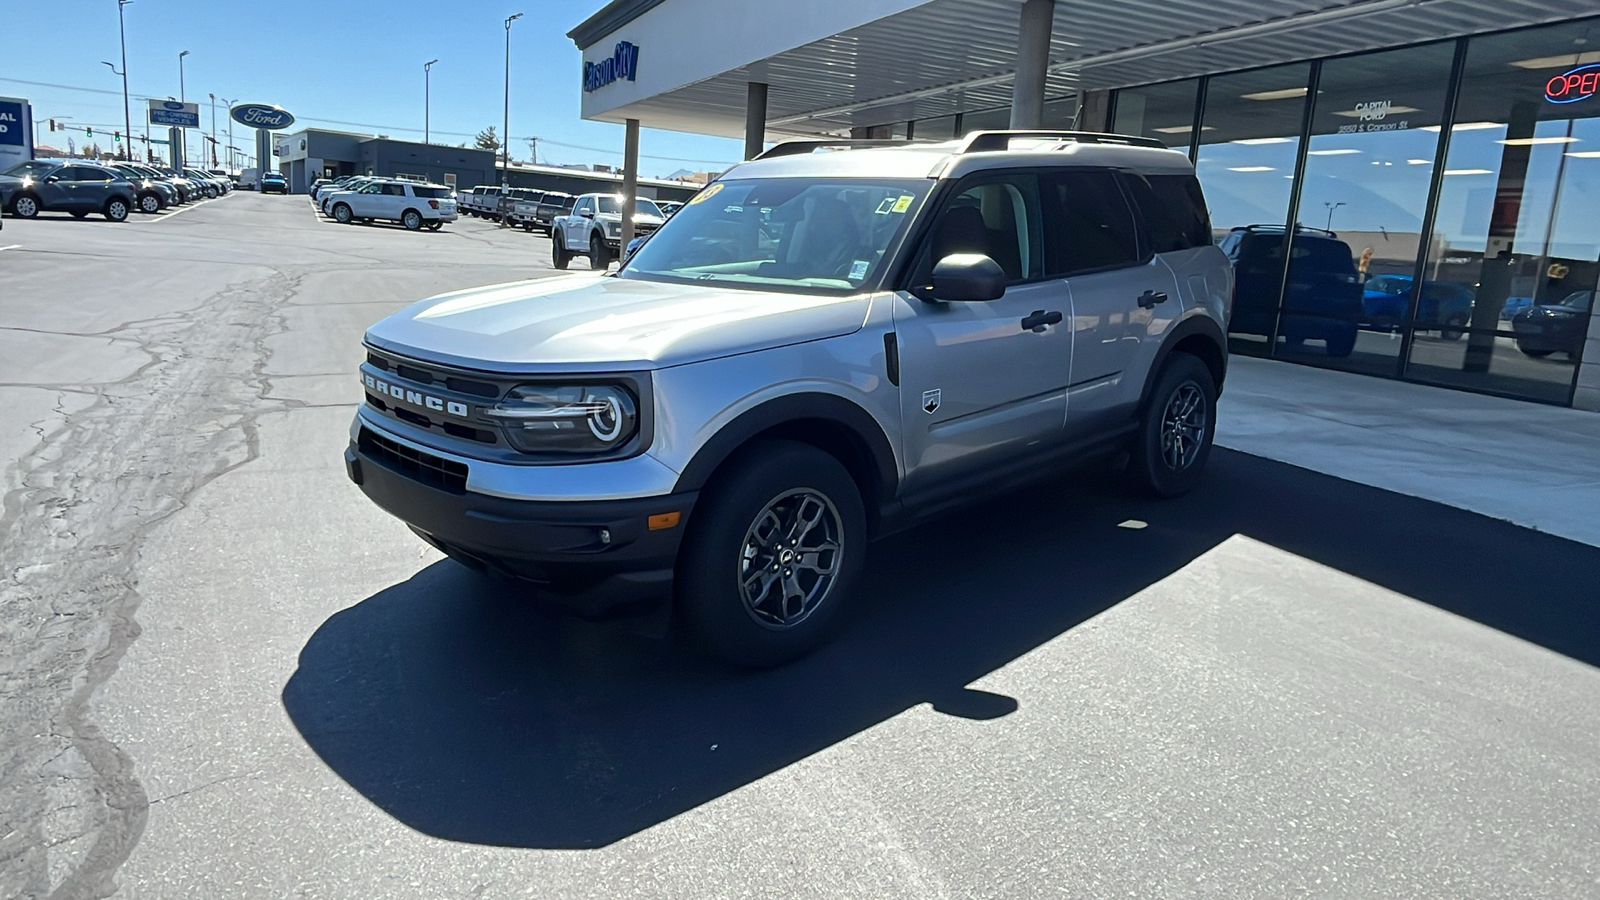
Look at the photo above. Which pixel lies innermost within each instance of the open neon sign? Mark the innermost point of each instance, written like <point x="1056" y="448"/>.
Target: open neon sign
<point x="1576" y="84"/>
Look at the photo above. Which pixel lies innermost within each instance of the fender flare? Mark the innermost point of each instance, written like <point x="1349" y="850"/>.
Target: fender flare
<point x="1194" y="325"/>
<point x="779" y="411"/>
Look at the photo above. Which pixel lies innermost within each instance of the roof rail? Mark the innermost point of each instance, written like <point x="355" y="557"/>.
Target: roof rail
<point x="981" y="141"/>
<point x="799" y="148"/>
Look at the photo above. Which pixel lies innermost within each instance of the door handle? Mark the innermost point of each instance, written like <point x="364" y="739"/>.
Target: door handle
<point x="1149" y="299"/>
<point x="1039" y="319"/>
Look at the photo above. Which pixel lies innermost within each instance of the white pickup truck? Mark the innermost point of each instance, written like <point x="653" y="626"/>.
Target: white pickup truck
<point x="410" y="204"/>
<point x="594" y="228"/>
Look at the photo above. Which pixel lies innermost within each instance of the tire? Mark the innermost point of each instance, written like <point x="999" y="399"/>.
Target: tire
<point x="1343" y="345"/>
<point x="412" y="220"/>
<point x="149" y="203"/>
<point x="763" y="495"/>
<point x="598" y="257"/>
<point x="79" y="214"/>
<point x="435" y="226"/>
<point x="117" y="209"/>
<point x="25" y="206"/>
<point x="1175" y="430"/>
<point x="1534" y="354"/>
<point x="342" y="215"/>
<point x="1454" y="328"/>
<point x="558" y="252"/>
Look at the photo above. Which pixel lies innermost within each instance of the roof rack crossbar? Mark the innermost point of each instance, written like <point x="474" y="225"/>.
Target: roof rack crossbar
<point x="798" y="148"/>
<point x="981" y="141"/>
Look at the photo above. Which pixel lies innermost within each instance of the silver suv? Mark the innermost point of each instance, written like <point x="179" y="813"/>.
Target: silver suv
<point x="824" y="345"/>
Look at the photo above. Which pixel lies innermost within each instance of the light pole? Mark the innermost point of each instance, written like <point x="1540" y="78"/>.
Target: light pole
<point x="213" y="129"/>
<point x="227" y="105"/>
<point x="184" y="132"/>
<point x="124" y="104"/>
<point x="505" y="138"/>
<point x="127" y="117"/>
<point x="1331" y="207"/>
<point x="427" y="99"/>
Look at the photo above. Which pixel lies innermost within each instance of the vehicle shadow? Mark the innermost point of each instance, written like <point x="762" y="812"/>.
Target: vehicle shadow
<point x="471" y="716"/>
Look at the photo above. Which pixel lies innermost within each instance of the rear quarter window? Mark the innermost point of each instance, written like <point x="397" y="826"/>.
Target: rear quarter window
<point x="431" y="193"/>
<point x="1174" y="210"/>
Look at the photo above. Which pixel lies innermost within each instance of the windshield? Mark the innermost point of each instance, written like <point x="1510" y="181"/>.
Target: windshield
<point x="34" y="167"/>
<point x="804" y="234"/>
<point x="641" y="206"/>
<point x="1578" y="300"/>
<point x="1389" y="284"/>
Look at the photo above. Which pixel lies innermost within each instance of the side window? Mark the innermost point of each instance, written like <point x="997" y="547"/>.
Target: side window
<point x="1092" y="226"/>
<point x="1173" y="209"/>
<point x="395" y="190"/>
<point x="71" y="173"/>
<point x="995" y="215"/>
<point x="584" y="205"/>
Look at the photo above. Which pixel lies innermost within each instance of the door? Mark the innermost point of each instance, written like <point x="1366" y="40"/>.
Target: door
<point x="1120" y="290"/>
<point x="57" y="190"/>
<point x="92" y="188"/>
<point x="364" y="203"/>
<point x="575" y="228"/>
<point x="983" y="384"/>
<point x="391" y="201"/>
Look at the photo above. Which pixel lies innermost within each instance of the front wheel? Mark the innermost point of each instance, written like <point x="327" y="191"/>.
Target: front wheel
<point x="150" y="203"/>
<point x="1454" y="328"/>
<point x="1175" y="432"/>
<point x="412" y="220"/>
<point x="25" y="207"/>
<point x="342" y="214"/>
<point x="559" y="256"/>
<point x="1534" y="353"/>
<point x="598" y="257"/>
<point x="774" y="548"/>
<point x="117" y="209"/>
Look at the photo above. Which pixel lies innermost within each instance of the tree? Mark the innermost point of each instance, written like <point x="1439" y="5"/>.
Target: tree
<point x="92" y="151"/>
<point x="488" y="140"/>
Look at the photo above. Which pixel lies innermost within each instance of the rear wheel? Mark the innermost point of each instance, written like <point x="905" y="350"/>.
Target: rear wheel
<point x="412" y="220"/>
<point x="774" y="548"/>
<point x="342" y="214"/>
<point x="116" y="209"/>
<point x="1454" y="328"/>
<point x="1342" y="345"/>
<point x="598" y="258"/>
<point x="558" y="252"/>
<point x="1174" y="439"/>
<point x="1536" y="354"/>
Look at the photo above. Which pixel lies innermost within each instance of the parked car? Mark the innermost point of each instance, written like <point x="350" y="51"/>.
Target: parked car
<point x="152" y="194"/>
<point x="819" y="349"/>
<point x="1323" y="301"/>
<point x="524" y="210"/>
<point x="272" y="182"/>
<point x="594" y="228"/>
<point x="509" y="199"/>
<point x="325" y="199"/>
<point x="1546" y="328"/>
<point x="554" y="205"/>
<point x="480" y="200"/>
<point x="341" y="183"/>
<point x="408" y="203"/>
<point x="208" y="187"/>
<point x="71" y="186"/>
<point x="668" y="207"/>
<point x="1514" y="305"/>
<point x="1444" y="305"/>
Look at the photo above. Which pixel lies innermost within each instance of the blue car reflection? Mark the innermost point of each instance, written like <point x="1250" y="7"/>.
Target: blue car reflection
<point x="1444" y="305"/>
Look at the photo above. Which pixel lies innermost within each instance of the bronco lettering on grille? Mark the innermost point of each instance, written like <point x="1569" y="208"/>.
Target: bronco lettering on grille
<point x="415" y="397"/>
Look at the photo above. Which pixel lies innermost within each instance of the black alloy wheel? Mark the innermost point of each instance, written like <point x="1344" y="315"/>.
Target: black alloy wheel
<point x="1176" y="429"/>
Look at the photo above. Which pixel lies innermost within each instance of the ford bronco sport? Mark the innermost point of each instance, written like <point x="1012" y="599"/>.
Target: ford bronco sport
<point x="827" y="343"/>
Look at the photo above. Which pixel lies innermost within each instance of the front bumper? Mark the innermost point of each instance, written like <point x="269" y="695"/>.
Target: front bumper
<point x="592" y="557"/>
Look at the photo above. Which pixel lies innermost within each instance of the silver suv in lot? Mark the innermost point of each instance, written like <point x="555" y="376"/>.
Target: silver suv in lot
<point x="828" y="343"/>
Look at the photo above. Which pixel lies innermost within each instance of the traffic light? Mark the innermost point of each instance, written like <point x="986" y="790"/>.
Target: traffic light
<point x="52" y="124"/>
<point x="116" y="137"/>
<point x="88" y="132"/>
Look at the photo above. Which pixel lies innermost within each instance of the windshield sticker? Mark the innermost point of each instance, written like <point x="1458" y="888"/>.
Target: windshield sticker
<point x="706" y="194"/>
<point x="903" y="204"/>
<point x="884" y="207"/>
<point x="858" y="269"/>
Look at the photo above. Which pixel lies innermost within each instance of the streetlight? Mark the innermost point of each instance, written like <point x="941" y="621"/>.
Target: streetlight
<point x="127" y="117"/>
<point x="1331" y="207"/>
<point x="227" y="105"/>
<point x="213" y="129"/>
<point x="427" y="99"/>
<point x="183" y="99"/>
<point x="505" y="138"/>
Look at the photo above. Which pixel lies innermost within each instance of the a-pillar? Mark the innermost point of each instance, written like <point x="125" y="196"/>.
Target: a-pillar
<point x="755" y="119"/>
<point x="630" y="182"/>
<point x="1033" y="63"/>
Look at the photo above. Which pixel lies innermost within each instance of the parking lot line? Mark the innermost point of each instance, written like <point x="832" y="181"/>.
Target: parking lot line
<point x="10" y="247"/>
<point x="178" y="212"/>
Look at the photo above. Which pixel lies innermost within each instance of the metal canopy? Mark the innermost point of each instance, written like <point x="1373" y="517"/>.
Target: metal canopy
<point x="948" y="56"/>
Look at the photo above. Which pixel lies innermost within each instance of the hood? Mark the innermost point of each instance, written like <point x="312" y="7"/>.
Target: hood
<point x="637" y="220"/>
<point x="595" y="323"/>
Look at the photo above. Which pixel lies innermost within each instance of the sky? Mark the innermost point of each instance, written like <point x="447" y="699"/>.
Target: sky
<point x="349" y="65"/>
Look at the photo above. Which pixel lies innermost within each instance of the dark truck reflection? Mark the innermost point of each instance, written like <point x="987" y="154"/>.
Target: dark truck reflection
<point x="1546" y="328"/>
<point x="1323" y="299"/>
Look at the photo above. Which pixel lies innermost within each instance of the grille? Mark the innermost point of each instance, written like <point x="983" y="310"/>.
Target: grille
<point x="444" y="474"/>
<point x="424" y="376"/>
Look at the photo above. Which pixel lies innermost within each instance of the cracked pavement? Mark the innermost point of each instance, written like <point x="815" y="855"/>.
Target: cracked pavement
<point x="224" y="673"/>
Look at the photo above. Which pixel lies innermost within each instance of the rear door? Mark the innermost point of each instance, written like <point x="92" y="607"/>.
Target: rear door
<point x="1121" y="294"/>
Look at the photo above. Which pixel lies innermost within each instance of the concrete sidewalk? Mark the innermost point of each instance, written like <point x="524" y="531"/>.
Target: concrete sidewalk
<point x="1533" y="465"/>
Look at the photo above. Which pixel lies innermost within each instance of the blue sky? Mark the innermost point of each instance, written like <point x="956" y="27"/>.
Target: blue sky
<point x="353" y="65"/>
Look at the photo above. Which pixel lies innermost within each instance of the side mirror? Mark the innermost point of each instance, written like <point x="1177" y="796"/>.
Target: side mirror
<point x="586" y="213"/>
<point x="967" y="278"/>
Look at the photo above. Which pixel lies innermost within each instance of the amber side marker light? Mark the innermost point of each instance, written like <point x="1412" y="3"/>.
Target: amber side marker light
<point x="664" y="521"/>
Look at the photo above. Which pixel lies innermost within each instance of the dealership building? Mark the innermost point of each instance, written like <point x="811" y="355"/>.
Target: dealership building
<point x="1441" y="155"/>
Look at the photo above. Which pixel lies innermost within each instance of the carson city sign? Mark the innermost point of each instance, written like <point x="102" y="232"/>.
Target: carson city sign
<point x="260" y="115"/>
<point x="623" y="63"/>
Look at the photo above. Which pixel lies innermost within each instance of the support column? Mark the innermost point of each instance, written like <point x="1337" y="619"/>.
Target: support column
<point x="755" y="119"/>
<point x="1033" y="61"/>
<point x="630" y="182"/>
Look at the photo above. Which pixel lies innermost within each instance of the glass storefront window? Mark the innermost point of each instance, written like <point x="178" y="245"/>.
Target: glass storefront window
<point x="1249" y="139"/>
<point x="1161" y="111"/>
<point x="1518" y="221"/>
<point x="997" y="119"/>
<point x="1363" y="199"/>
<point x="941" y="128"/>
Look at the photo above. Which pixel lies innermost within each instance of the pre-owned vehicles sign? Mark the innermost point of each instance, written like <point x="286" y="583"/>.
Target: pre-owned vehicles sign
<point x="260" y="115"/>
<point x="171" y="112"/>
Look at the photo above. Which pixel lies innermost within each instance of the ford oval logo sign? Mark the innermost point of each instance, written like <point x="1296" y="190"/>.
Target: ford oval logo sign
<point x="260" y="115"/>
<point x="173" y="105"/>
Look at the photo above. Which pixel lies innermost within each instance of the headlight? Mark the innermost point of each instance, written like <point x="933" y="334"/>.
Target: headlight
<point x="567" y="418"/>
<point x="614" y="229"/>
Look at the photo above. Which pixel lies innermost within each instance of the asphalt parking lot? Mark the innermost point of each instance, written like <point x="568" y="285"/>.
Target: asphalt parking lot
<point x="226" y="674"/>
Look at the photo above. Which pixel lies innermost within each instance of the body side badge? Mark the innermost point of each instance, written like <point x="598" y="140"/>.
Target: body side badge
<point x="930" y="400"/>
